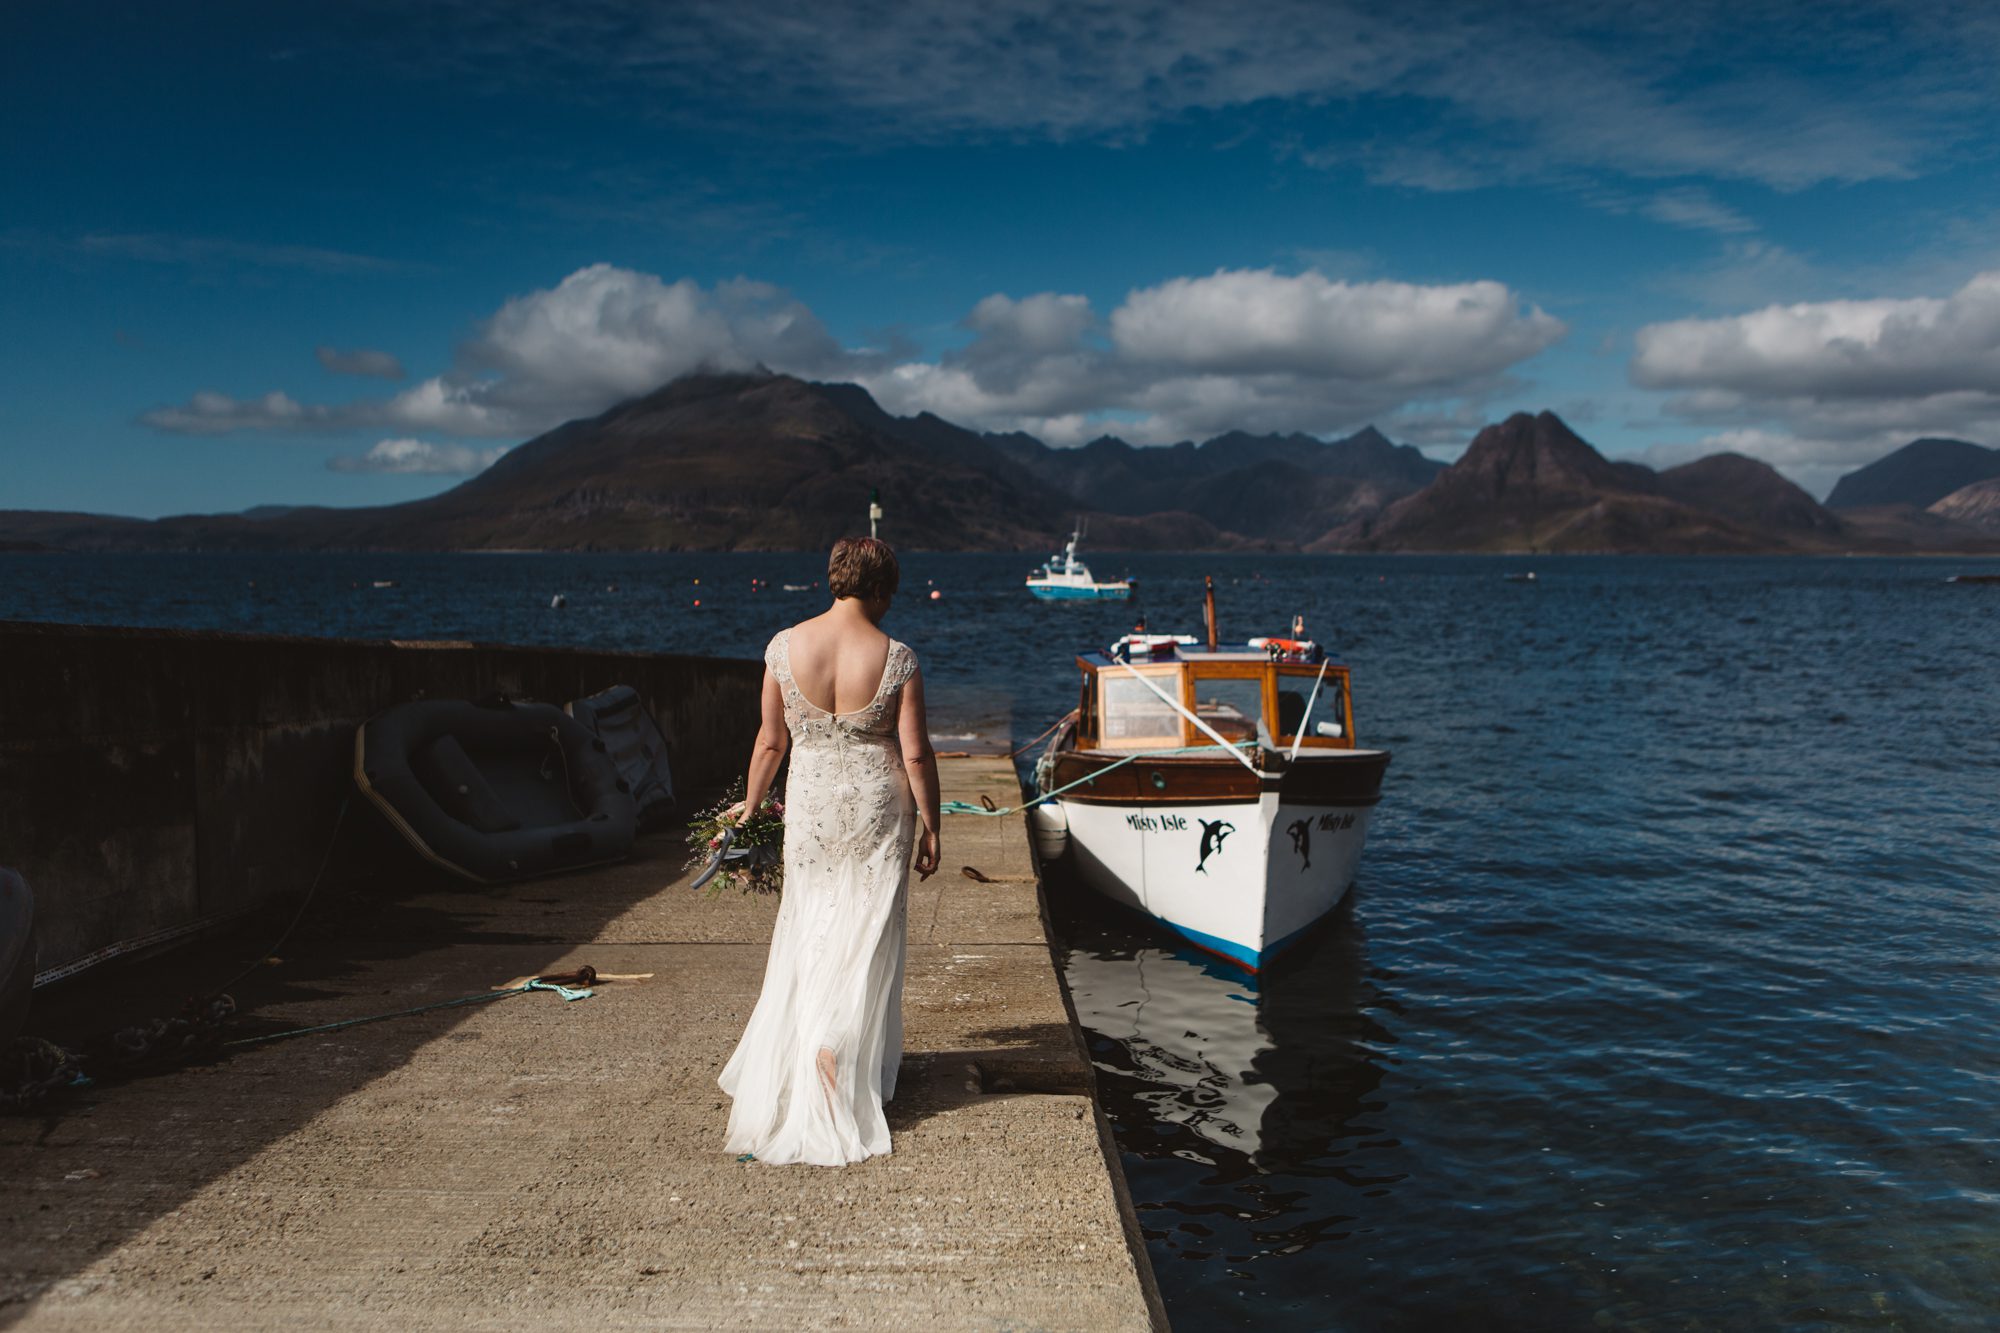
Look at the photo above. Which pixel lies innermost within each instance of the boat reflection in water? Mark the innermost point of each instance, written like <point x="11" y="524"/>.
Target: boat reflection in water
<point x="1246" y="1108"/>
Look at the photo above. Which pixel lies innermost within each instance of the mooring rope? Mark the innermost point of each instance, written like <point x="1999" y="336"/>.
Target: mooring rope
<point x="567" y="992"/>
<point x="968" y="808"/>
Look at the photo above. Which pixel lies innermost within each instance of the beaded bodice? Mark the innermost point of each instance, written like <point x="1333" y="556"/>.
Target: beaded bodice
<point x="847" y="788"/>
<point x="812" y="725"/>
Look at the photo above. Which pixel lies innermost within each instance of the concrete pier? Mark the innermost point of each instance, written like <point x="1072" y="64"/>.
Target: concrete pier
<point x="536" y="1163"/>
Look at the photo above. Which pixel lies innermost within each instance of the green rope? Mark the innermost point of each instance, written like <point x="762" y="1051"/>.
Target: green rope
<point x="567" y="992"/>
<point x="967" y="808"/>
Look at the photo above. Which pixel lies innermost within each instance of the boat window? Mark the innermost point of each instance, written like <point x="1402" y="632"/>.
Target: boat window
<point x="1133" y="713"/>
<point x="1329" y="712"/>
<point x="1233" y="706"/>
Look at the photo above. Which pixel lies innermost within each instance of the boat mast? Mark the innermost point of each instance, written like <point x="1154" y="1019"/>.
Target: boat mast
<point x="874" y="509"/>
<point x="1208" y="607"/>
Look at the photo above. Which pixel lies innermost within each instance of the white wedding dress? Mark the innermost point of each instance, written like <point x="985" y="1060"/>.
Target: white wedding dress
<point x="834" y="979"/>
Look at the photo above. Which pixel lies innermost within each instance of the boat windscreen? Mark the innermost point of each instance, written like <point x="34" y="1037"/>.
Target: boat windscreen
<point x="1134" y="716"/>
<point x="1329" y="711"/>
<point x="1233" y="706"/>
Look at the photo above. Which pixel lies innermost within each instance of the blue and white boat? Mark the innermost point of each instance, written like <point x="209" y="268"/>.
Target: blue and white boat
<point x="1065" y="577"/>
<point x="1216" y="788"/>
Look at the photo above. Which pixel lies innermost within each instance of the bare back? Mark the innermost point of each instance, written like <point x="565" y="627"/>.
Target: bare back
<point x="837" y="662"/>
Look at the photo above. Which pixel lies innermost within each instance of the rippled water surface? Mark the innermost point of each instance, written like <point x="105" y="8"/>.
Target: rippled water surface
<point x="1667" y="996"/>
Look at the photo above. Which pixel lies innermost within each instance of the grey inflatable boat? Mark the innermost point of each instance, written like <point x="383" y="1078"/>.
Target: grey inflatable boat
<point x="631" y="736"/>
<point x="495" y="792"/>
<point x="17" y="952"/>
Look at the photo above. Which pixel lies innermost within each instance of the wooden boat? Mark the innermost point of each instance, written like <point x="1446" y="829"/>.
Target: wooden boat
<point x="1217" y="788"/>
<point x="1066" y="578"/>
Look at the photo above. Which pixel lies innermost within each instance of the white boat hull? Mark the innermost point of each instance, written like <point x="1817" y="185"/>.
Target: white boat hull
<point x="1243" y="879"/>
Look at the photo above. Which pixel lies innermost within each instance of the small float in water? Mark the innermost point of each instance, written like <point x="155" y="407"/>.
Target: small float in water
<point x="1217" y="788"/>
<point x="1528" y="577"/>
<point x="495" y="792"/>
<point x="1066" y="578"/>
<point x="558" y="602"/>
<point x="1974" y="578"/>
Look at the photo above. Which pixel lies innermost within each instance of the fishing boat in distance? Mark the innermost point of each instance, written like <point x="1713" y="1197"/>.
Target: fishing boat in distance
<point x="1217" y="788"/>
<point x="1065" y="578"/>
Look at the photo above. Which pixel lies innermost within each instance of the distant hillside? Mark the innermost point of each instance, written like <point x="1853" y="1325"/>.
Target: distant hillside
<point x="1280" y="488"/>
<point x="1532" y="484"/>
<point x="733" y="462"/>
<point x="762" y="461"/>
<point x="1750" y="493"/>
<point x="1920" y="473"/>
<point x="1977" y="505"/>
<point x="710" y="462"/>
<point x="769" y="462"/>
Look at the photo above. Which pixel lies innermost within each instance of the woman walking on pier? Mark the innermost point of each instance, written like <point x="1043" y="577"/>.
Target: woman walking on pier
<point x="820" y="1054"/>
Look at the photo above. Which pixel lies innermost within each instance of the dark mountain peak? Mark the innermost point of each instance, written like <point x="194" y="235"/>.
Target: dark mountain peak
<point x="1105" y="446"/>
<point x="1920" y="473"/>
<point x="697" y="386"/>
<point x="1748" y="491"/>
<point x="1537" y="456"/>
<point x="1236" y="440"/>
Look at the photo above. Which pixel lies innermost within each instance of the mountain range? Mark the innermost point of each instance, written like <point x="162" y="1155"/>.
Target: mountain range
<point x="764" y="461"/>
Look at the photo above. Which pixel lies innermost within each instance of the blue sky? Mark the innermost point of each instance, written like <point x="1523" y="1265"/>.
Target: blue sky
<point x="344" y="254"/>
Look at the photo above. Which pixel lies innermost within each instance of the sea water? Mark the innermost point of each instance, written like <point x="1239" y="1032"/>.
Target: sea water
<point x="1669" y="993"/>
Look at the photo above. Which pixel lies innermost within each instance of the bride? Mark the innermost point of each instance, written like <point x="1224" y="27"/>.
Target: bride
<point x="819" y="1056"/>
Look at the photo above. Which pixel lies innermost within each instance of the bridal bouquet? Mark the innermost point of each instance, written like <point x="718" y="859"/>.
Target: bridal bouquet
<point x="754" y="861"/>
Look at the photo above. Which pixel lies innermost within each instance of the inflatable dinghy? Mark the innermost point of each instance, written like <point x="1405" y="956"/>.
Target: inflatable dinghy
<point x="495" y="792"/>
<point x="619" y="718"/>
<point x="17" y="953"/>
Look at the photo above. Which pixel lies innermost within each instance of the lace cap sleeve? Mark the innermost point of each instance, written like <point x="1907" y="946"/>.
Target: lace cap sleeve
<point x="775" y="657"/>
<point x="902" y="665"/>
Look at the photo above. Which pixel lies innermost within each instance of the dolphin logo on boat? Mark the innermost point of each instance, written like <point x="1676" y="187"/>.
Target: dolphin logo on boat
<point x="1302" y="841"/>
<point x="1213" y="831"/>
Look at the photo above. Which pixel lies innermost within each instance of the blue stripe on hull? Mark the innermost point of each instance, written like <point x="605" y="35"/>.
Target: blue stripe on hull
<point x="1091" y="594"/>
<point x="1243" y="953"/>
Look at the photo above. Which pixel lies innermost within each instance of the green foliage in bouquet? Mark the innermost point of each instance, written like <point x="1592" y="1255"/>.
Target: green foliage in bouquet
<point x="756" y="862"/>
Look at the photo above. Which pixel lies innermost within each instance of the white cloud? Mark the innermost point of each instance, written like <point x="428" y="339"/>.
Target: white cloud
<point x="600" y="335"/>
<point x="419" y="457"/>
<point x="360" y="361"/>
<point x="1903" y="348"/>
<point x="1256" y="321"/>
<point x="1249" y="349"/>
<point x="1815" y="388"/>
<point x="210" y="413"/>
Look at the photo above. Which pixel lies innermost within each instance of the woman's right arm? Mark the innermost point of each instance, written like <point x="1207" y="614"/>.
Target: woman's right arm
<point x="772" y="741"/>
<point x="920" y="762"/>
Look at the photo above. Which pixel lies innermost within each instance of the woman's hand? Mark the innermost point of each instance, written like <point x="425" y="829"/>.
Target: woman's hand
<point x="927" y="854"/>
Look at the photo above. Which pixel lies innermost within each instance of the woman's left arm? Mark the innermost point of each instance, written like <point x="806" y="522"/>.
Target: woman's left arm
<point x="773" y="739"/>
<point x="920" y="763"/>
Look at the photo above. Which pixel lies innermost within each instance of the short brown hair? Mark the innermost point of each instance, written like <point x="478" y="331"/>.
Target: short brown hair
<point x="862" y="567"/>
